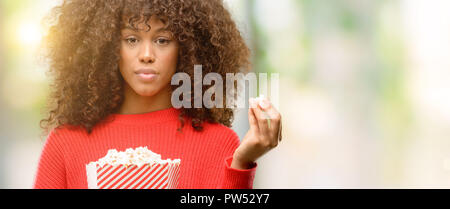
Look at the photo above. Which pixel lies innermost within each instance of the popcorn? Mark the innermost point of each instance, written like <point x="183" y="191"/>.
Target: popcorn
<point x="139" y="157"/>
<point x="258" y="100"/>
<point x="133" y="168"/>
<point x="261" y="97"/>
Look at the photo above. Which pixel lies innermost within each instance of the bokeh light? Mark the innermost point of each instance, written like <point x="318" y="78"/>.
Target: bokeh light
<point x="29" y="34"/>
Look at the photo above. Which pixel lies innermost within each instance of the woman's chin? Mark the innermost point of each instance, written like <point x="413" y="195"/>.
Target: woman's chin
<point x="146" y="91"/>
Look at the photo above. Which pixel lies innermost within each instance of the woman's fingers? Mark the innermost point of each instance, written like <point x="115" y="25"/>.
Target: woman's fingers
<point x="280" y="134"/>
<point x="261" y="118"/>
<point x="251" y="116"/>
<point x="268" y="120"/>
<point x="272" y="113"/>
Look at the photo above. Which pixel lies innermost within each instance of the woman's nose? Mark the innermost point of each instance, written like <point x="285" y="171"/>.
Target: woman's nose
<point x="146" y="54"/>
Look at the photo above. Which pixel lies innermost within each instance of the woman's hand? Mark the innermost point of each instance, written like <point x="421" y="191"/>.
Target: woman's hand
<point x="264" y="133"/>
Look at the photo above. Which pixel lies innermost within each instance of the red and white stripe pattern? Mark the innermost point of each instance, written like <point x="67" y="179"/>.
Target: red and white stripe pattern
<point x="174" y="173"/>
<point x="156" y="176"/>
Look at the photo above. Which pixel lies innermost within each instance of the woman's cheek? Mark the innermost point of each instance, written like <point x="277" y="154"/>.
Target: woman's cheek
<point x="170" y="61"/>
<point x="126" y="62"/>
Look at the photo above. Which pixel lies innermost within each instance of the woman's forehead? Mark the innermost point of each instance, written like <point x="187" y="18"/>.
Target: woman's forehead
<point x="143" y="22"/>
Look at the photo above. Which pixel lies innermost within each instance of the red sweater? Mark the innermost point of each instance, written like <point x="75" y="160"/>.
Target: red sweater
<point x="205" y="156"/>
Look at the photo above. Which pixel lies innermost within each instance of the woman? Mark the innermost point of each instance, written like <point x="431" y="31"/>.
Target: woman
<point x="112" y="63"/>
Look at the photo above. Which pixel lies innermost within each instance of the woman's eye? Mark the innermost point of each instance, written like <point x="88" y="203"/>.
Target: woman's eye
<point x="162" y="41"/>
<point x="131" y="41"/>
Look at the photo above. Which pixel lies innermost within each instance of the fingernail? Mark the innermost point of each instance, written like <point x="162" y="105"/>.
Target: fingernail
<point x="264" y="103"/>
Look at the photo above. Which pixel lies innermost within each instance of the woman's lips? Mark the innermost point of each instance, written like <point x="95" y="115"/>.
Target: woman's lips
<point x="146" y="76"/>
<point x="146" y="71"/>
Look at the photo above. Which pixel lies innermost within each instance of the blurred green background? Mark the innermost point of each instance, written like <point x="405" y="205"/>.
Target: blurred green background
<point x="364" y="90"/>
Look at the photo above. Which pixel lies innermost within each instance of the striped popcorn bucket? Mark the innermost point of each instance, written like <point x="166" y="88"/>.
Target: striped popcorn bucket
<point x="155" y="176"/>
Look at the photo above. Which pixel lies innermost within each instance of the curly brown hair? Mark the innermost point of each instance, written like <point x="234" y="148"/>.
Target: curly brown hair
<point x="83" y="44"/>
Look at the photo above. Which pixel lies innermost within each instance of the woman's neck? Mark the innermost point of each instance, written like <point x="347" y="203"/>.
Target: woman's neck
<point x="137" y="104"/>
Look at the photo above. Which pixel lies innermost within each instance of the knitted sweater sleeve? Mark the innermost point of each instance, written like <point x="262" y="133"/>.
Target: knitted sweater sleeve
<point x="51" y="173"/>
<point x="236" y="178"/>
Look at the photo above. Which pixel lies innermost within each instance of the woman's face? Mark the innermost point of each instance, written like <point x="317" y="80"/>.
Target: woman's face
<point x="148" y="58"/>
